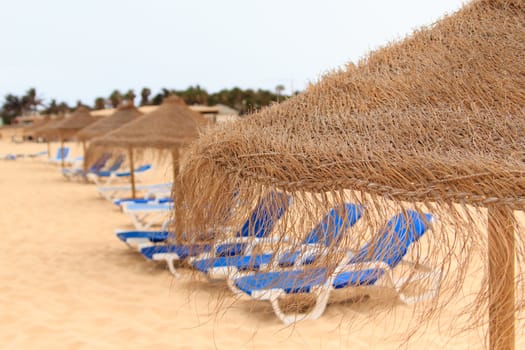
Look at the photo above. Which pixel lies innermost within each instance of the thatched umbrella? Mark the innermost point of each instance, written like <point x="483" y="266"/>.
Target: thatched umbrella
<point x="169" y="127"/>
<point x="67" y="128"/>
<point x="124" y="114"/>
<point x="37" y="124"/>
<point x="436" y="120"/>
<point x="30" y="129"/>
<point x="48" y="131"/>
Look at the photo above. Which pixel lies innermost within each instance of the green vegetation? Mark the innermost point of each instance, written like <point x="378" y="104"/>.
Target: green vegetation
<point x="244" y="101"/>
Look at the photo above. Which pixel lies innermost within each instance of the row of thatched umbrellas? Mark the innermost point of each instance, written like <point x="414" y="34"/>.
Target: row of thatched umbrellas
<point x="169" y="127"/>
<point x="437" y="119"/>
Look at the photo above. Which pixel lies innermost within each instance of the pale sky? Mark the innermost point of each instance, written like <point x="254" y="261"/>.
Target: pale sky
<point x="81" y="49"/>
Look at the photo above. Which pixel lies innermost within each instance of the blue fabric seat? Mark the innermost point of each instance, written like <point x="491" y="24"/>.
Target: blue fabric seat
<point x="163" y="200"/>
<point x="259" y="225"/>
<point x="328" y="232"/>
<point x="386" y="250"/>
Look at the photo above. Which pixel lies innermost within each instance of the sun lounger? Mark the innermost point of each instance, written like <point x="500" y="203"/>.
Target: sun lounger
<point x="146" y="215"/>
<point x="150" y="197"/>
<point x="36" y="154"/>
<point x="111" y="176"/>
<point x="319" y="241"/>
<point x="62" y="153"/>
<point x="146" y="200"/>
<point x="375" y="261"/>
<point x="12" y="156"/>
<point x="143" y="238"/>
<point x="112" y="192"/>
<point x="78" y="171"/>
<point x="107" y="176"/>
<point x="257" y="227"/>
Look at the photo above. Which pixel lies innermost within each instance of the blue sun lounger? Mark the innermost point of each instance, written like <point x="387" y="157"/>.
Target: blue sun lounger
<point x="324" y="236"/>
<point x="374" y="261"/>
<point x="62" y="153"/>
<point x="12" y="156"/>
<point x="142" y="238"/>
<point x="257" y="227"/>
<point x="152" y="198"/>
<point x="108" y="174"/>
<point x="37" y="154"/>
<point x="71" y="173"/>
<point x="111" y="192"/>
<point x="146" y="215"/>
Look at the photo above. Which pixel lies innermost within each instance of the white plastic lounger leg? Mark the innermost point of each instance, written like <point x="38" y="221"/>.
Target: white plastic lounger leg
<point x="435" y="278"/>
<point x="110" y="179"/>
<point x="218" y="273"/>
<point x="171" y="266"/>
<point x="170" y="260"/>
<point x="138" y="242"/>
<point x="231" y="284"/>
<point x="137" y="222"/>
<point x="323" y="294"/>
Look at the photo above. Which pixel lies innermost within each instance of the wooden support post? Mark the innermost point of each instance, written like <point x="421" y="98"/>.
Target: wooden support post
<point x="84" y="162"/>
<point x="48" y="150"/>
<point x="132" y="172"/>
<point x="177" y="194"/>
<point x="62" y="152"/>
<point x="501" y="255"/>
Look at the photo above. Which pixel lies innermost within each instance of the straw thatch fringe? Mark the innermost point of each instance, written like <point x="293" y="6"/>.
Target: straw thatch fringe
<point x="124" y="114"/>
<point x="68" y="127"/>
<point x="171" y="126"/>
<point x="48" y="130"/>
<point x="434" y="123"/>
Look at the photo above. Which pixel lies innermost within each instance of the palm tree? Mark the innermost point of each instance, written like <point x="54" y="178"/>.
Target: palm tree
<point x="115" y="98"/>
<point x="12" y="107"/>
<point x="100" y="103"/>
<point x="144" y="96"/>
<point x="130" y="96"/>
<point x="279" y="90"/>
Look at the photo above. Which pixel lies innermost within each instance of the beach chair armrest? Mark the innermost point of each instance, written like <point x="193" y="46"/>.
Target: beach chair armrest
<point x="166" y="224"/>
<point x="372" y="265"/>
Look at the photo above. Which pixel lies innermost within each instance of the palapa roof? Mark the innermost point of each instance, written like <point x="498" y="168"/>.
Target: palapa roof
<point x="79" y="119"/>
<point x="435" y="115"/>
<point x="37" y="124"/>
<point x="171" y="125"/>
<point x="434" y="122"/>
<point x="48" y="130"/>
<point x="124" y="114"/>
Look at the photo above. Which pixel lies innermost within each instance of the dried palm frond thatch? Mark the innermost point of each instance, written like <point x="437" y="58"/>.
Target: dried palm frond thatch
<point x="435" y="122"/>
<point x="124" y="114"/>
<point x="169" y="127"/>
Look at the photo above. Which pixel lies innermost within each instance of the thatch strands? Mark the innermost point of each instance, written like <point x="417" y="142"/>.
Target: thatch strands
<point x="169" y="127"/>
<point x="173" y="124"/>
<point x="124" y="114"/>
<point x="78" y="120"/>
<point x="30" y="129"/>
<point x="48" y="130"/>
<point x="434" y="123"/>
<point x="68" y="127"/>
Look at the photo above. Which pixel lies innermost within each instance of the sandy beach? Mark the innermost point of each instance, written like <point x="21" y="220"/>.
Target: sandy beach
<point x="68" y="283"/>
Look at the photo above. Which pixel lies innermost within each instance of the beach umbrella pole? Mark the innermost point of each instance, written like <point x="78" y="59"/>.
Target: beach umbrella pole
<point x="132" y="172"/>
<point x="62" y="152"/>
<point x="84" y="161"/>
<point x="48" y="150"/>
<point x="501" y="251"/>
<point x="178" y="204"/>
